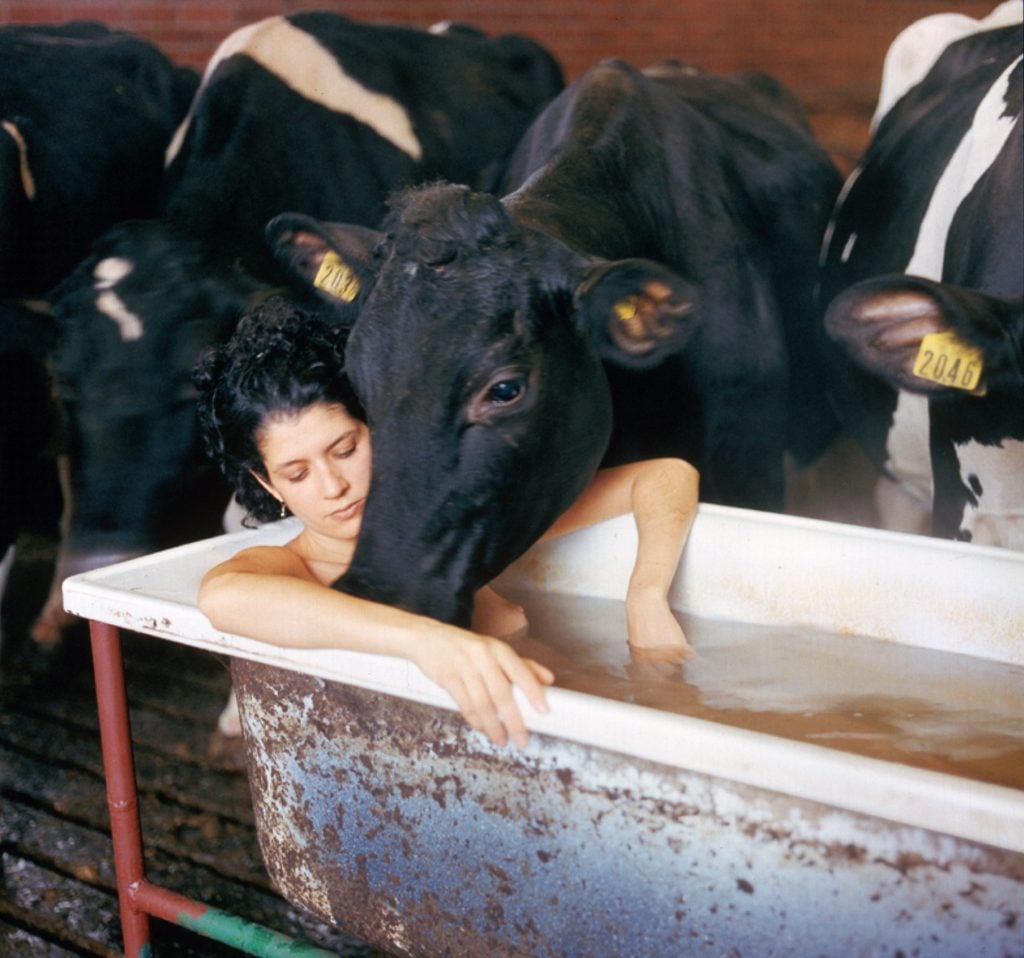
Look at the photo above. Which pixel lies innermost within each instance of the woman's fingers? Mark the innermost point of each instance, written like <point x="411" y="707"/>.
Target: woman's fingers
<point x="487" y="686"/>
<point x="479" y="673"/>
<point x="501" y="669"/>
<point x="476" y="708"/>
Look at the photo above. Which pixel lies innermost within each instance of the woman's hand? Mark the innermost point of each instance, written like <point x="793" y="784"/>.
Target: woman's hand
<point x="478" y="672"/>
<point x="654" y="632"/>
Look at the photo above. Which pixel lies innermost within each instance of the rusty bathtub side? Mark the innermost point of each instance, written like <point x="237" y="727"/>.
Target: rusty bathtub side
<point x="392" y="818"/>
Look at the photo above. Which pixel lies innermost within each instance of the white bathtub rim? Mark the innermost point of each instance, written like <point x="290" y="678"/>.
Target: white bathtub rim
<point x="979" y="812"/>
<point x="139" y="595"/>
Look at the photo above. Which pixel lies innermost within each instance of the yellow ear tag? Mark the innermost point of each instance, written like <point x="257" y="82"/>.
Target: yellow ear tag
<point x="945" y="359"/>
<point x="625" y="310"/>
<point x="336" y="279"/>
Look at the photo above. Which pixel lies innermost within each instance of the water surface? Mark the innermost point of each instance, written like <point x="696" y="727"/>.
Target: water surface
<point x="937" y="710"/>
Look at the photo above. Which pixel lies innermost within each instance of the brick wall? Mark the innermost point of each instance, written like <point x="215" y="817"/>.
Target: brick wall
<point x="828" y="51"/>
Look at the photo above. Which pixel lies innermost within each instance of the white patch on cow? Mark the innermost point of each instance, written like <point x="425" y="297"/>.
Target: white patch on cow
<point x="998" y="518"/>
<point x="908" y="456"/>
<point x="899" y="511"/>
<point x="28" y="183"/>
<point x="826" y="240"/>
<point x="976" y="152"/>
<point x="298" y="60"/>
<point x="128" y="323"/>
<point x="229" y="722"/>
<point x="108" y="273"/>
<point x="851" y="241"/>
<point x="440" y="28"/>
<point x="914" y="51"/>
<point x="233" y="519"/>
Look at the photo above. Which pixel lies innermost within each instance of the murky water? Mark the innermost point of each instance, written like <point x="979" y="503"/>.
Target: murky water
<point x="937" y="710"/>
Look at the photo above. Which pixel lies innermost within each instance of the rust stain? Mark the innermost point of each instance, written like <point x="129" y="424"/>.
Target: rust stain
<point x="418" y="770"/>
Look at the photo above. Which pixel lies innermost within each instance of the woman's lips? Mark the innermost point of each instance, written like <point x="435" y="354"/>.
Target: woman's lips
<point x="347" y="512"/>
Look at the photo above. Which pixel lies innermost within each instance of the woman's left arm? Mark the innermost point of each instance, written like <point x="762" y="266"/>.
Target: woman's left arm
<point x="662" y="495"/>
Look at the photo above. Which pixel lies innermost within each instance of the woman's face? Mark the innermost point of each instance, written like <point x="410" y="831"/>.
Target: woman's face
<point x="318" y="461"/>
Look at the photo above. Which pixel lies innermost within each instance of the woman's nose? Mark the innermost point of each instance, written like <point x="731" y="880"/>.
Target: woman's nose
<point x="334" y="483"/>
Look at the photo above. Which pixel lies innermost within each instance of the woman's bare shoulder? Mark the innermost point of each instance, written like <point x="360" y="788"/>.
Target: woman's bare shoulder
<point x="266" y="560"/>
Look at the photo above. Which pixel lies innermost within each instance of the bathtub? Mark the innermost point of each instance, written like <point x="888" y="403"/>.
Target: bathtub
<point x="838" y="771"/>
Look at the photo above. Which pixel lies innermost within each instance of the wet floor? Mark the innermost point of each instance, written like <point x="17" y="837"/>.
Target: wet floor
<point x="937" y="710"/>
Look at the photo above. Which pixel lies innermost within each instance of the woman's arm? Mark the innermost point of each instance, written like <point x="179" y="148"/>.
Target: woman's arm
<point x="662" y="495"/>
<point x="268" y="594"/>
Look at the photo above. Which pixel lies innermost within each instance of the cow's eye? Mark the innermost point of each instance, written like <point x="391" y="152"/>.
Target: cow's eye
<point x="505" y="391"/>
<point x="438" y="254"/>
<point x="502" y="394"/>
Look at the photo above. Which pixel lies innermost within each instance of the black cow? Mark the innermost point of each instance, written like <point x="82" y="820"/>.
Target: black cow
<point x="925" y="261"/>
<point x="309" y="111"/>
<point x="666" y="219"/>
<point x="30" y="497"/>
<point x="86" y="114"/>
<point x="30" y="493"/>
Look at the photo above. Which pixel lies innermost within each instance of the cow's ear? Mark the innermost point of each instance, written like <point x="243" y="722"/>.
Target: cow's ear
<point x="636" y="311"/>
<point x="334" y="259"/>
<point x="928" y="337"/>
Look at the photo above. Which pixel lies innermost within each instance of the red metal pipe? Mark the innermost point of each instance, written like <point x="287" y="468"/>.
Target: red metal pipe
<point x="122" y="794"/>
<point x="139" y="898"/>
<point x="166" y="904"/>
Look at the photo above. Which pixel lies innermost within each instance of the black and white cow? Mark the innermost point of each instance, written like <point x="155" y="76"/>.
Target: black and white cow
<point x="924" y="264"/>
<point x="316" y="113"/>
<point x="665" y="222"/>
<point x="86" y="114"/>
<point x="312" y="112"/>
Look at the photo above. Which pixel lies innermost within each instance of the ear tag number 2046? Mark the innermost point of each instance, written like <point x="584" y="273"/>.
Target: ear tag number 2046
<point x="336" y="278"/>
<point x="945" y="359"/>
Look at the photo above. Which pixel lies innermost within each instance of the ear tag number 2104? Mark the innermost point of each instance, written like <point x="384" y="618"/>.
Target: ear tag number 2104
<point x="336" y="278"/>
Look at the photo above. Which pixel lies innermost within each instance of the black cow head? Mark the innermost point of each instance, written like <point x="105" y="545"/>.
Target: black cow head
<point x="929" y="337"/>
<point x="476" y="350"/>
<point x="133" y="318"/>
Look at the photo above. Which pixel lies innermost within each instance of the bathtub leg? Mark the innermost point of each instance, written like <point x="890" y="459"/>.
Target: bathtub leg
<point x="122" y="796"/>
<point x="137" y="897"/>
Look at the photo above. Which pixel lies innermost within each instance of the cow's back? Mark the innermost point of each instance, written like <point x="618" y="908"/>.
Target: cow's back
<point x="880" y="225"/>
<point x="720" y="179"/>
<point x="319" y="114"/>
<point x="86" y="114"/>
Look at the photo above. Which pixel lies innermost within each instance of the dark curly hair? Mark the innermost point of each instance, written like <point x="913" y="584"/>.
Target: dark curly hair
<point x="280" y="359"/>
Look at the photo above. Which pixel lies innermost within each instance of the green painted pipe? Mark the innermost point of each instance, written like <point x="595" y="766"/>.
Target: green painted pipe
<point x="247" y="936"/>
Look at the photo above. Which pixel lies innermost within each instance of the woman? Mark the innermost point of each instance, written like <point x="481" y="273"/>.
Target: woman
<point x="289" y="434"/>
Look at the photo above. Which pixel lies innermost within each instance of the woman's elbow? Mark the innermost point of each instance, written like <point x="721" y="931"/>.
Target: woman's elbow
<point x="684" y="475"/>
<point x="687" y="469"/>
<point x="214" y="599"/>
